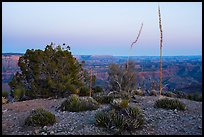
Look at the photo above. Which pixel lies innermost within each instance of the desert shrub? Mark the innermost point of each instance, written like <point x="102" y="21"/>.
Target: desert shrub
<point x="134" y="111"/>
<point x="75" y="104"/>
<point x="4" y="100"/>
<point x="18" y="93"/>
<point x="124" y="103"/>
<point x="5" y="94"/>
<point x="180" y="94"/>
<point x="122" y="77"/>
<point x="89" y="104"/>
<point x="103" y="98"/>
<point x="170" y="104"/>
<point x="122" y="95"/>
<point x="98" y="89"/>
<point x="125" y="95"/>
<point x="102" y="119"/>
<point x="119" y="120"/>
<point x="84" y="91"/>
<point x="40" y="117"/>
<point x="153" y="93"/>
<point x="168" y="94"/>
<point x="116" y="103"/>
<point x="195" y="97"/>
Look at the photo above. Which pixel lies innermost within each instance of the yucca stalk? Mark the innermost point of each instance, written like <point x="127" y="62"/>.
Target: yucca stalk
<point x="160" y="27"/>
<point x="90" y="82"/>
<point x="134" y="42"/>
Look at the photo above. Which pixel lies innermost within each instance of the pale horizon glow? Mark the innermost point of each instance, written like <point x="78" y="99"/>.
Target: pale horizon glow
<point x="103" y="28"/>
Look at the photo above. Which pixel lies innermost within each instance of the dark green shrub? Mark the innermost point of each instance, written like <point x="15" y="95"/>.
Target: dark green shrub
<point x="122" y="95"/>
<point x="18" y="93"/>
<point x="84" y="91"/>
<point x="134" y="111"/>
<point x="119" y="120"/>
<point x="102" y="119"/>
<point x="180" y="94"/>
<point x="89" y="103"/>
<point x="170" y="104"/>
<point x="5" y="94"/>
<point x="49" y="73"/>
<point x="168" y="94"/>
<point x="103" y="99"/>
<point x="195" y="97"/>
<point x="75" y="104"/>
<point x="40" y="117"/>
<point x="97" y="89"/>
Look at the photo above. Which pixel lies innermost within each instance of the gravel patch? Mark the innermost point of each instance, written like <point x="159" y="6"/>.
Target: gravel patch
<point x="157" y="121"/>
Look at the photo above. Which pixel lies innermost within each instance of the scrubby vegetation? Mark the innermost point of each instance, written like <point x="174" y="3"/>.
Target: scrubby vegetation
<point x="103" y="98"/>
<point x="191" y="96"/>
<point x="19" y="93"/>
<point x="106" y="98"/>
<point x="49" y="73"/>
<point x="118" y="120"/>
<point x="121" y="77"/>
<point x="74" y="103"/>
<point x="195" y="97"/>
<point x="5" y="94"/>
<point x="170" y="104"/>
<point x="40" y="117"/>
<point x="120" y="103"/>
<point x="84" y="91"/>
<point x="98" y="89"/>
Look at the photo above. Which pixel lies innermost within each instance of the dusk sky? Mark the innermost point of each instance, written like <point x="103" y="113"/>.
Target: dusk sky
<point x="103" y="28"/>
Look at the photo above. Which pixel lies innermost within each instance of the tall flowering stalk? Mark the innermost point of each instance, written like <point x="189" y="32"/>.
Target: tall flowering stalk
<point x="90" y="82"/>
<point x="135" y="41"/>
<point x="161" y="36"/>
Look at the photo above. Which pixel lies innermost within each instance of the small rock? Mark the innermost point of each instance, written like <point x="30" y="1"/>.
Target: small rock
<point x="199" y="127"/>
<point x="43" y="133"/>
<point x="45" y="128"/>
<point x="36" y="131"/>
<point x="175" y="111"/>
<point x="5" y="110"/>
<point x="52" y="132"/>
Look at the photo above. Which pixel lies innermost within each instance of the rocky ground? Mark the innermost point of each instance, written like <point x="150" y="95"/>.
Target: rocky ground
<point x="157" y="121"/>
